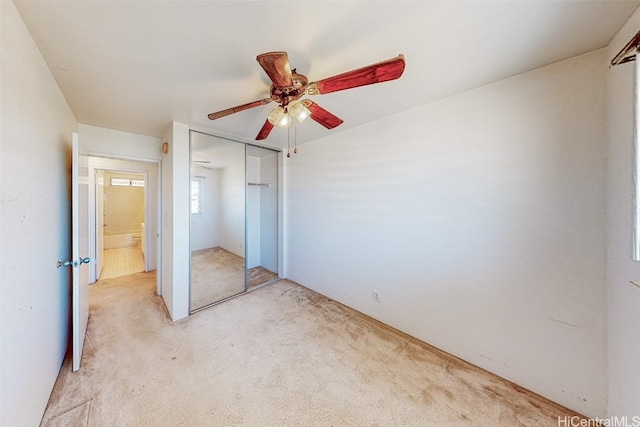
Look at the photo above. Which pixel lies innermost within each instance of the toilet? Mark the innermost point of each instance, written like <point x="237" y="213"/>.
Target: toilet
<point x="137" y="240"/>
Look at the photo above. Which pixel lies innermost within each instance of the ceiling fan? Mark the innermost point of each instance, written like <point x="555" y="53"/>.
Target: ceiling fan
<point x="289" y="86"/>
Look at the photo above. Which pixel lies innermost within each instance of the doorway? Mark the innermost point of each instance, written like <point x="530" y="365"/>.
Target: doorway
<point x="120" y="209"/>
<point x="124" y="217"/>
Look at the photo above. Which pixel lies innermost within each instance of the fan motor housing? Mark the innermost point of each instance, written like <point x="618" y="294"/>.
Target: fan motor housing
<point x="286" y="94"/>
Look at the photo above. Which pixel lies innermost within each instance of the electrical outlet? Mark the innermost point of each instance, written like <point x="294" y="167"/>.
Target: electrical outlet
<point x="375" y="295"/>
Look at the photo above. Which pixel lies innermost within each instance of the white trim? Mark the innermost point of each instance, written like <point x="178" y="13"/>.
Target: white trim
<point x="635" y="256"/>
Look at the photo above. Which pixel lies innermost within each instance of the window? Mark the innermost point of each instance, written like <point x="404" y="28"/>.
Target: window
<point x="120" y="182"/>
<point x="126" y="182"/>
<point x="195" y="197"/>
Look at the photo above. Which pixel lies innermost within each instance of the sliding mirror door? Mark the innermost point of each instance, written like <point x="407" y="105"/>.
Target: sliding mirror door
<point x="218" y="197"/>
<point x="262" y="216"/>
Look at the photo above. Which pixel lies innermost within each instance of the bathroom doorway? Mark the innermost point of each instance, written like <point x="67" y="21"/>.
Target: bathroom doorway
<point x="120" y="212"/>
<point x="132" y="229"/>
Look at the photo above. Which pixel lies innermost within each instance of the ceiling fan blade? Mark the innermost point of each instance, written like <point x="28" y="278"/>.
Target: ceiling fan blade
<point x="239" y="108"/>
<point x="264" y="132"/>
<point x="276" y="65"/>
<point x="321" y="115"/>
<point x="390" y="69"/>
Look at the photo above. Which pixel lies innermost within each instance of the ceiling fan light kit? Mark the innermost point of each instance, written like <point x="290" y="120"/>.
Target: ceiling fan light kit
<point x="289" y="86"/>
<point x="298" y="110"/>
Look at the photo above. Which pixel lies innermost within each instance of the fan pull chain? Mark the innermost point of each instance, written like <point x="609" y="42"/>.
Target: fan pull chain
<point x="295" y="140"/>
<point x="288" y="141"/>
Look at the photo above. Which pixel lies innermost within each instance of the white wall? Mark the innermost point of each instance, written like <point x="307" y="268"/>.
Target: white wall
<point x="623" y="298"/>
<point x="176" y="202"/>
<point x="166" y="209"/>
<point x="97" y="141"/>
<point x="480" y="220"/>
<point x="34" y="224"/>
<point x="204" y="226"/>
<point x="232" y="215"/>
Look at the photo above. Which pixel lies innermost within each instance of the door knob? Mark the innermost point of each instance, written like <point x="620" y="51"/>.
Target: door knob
<point x="74" y="263"/>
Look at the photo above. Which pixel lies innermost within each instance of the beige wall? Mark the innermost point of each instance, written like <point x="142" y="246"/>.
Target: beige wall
<point x="124" y="206"/>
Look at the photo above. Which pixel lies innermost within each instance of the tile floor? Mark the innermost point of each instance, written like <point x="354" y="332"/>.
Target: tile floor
<point x="122" y="261"/>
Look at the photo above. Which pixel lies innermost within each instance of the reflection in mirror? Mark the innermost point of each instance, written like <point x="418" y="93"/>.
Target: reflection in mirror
<point x="262" y="216"/>
<point x="217" y="219"/>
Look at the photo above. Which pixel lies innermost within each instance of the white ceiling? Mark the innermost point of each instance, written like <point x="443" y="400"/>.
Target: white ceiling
<point x="135" y="66"/>
<point x="213" y="152"/>
<point x="217" y="152"/>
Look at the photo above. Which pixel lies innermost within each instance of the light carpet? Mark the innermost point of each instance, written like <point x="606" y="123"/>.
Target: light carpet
<point x="258" y="275"/>
<point x="281" y="355"/>
<point x="216" y="274"/>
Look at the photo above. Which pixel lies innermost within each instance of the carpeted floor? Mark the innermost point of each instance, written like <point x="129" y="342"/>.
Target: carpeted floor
<point x="279" y="356"/>
<point x="216" y="274"/>
<point x="258" y="275"/>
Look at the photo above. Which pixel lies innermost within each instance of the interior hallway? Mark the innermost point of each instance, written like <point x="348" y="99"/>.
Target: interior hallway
<point x="281" y="355"/>
<point x="121" y="261"/>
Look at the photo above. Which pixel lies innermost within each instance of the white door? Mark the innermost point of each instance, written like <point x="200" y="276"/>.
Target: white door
<point x="80" y="249"/>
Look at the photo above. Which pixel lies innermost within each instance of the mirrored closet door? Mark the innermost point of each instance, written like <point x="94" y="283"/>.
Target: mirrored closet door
<point x="218" y="201"/>
<point x="234" y="218"/>
<point x="262" y="216"/>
